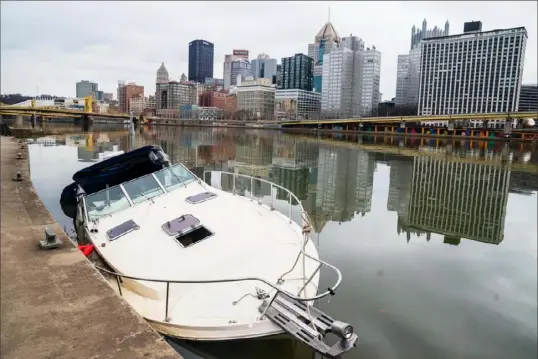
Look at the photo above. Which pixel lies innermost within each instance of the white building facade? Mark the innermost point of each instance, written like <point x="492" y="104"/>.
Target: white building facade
<point x="369" y="74"/>
<point x="475" y="72"/>
<point x="256" y="100"/>
<point x="408" y="77"/>
<point x="350" y="82"/>
<point x="296" y="104"/>
<point x="353" y="43"/>
<point x="337" y="93"/>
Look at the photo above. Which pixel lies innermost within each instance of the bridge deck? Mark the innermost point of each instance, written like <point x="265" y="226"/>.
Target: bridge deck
<point x="417" y="119"/>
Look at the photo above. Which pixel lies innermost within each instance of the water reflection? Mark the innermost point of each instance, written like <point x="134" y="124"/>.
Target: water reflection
<point x="436" y="239"/>
<point x="454" y="199"/>
<point x="430" y="192"/>
<point x="455" y="191"/>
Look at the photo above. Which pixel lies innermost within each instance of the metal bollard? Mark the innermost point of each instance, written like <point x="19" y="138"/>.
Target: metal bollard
<point x="19" y="156"/>
<point x="50" y="241"/>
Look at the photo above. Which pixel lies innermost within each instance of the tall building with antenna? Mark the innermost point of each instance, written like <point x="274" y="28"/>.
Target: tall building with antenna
<point x="325" y="41"/>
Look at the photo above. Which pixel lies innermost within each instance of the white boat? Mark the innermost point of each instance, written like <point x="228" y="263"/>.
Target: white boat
<point x="201" y="263"/>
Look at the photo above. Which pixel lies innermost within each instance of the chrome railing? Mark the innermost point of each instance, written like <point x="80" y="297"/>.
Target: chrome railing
<point x="305" y="225"/>
<point x="329" y="291"/>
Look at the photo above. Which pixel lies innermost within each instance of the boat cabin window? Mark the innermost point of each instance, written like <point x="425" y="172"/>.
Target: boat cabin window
<point x="142" y="189"/>
<point x="106" y="202"/>
<point x="174" y="177"/>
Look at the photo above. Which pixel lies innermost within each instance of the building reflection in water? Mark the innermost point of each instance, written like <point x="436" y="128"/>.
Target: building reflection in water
<point x="462" y="197"/>
<point x="454" y="199"/>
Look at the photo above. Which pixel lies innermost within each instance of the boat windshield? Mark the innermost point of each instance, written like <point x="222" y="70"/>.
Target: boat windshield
<point x="174" y="177"/>
<point x="142" y="189"/>
<point x="106" y="202"/>
<point x="138" y="190"/>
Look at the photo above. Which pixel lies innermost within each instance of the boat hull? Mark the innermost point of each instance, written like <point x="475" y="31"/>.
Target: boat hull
<point x="216" y="334"/>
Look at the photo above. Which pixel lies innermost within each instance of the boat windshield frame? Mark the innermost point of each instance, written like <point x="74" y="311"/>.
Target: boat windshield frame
<point x="182" y="178"/>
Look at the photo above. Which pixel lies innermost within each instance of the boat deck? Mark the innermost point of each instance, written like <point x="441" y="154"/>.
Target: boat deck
<point x="249" y="240"/>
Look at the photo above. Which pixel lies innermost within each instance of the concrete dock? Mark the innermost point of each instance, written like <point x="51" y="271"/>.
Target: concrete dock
<point x="54" y="304"/>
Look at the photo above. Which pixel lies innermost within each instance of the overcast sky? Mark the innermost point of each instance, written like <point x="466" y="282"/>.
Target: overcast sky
<point x="55" y="44"/>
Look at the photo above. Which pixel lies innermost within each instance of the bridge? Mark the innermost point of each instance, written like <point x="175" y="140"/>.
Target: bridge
<point x="413" y="119"/>
<point x="56" y="112"/>
<point x="44" y="110"/>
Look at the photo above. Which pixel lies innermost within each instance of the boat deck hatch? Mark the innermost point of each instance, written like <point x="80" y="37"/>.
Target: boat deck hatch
<point x="122" y="229"/>
<point x="182" y="224"/>
<point x="200" y="197"/>
<point x="194" y="236"/>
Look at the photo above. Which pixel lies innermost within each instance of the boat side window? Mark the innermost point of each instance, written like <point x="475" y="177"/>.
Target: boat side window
<point x="174" y="177"/>
<point x="106" y="202"/>
<point x="142" y="189"/>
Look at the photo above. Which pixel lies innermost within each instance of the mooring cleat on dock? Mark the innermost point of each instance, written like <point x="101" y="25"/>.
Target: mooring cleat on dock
<point x="50" y="241"/>
<point x="18" y="176"/>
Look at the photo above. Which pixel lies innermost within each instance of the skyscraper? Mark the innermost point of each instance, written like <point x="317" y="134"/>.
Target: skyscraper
<point x="350" y="82"/>
<point x="162" y="75"/>
<point x="407" y="77"/>
<point x="241" y="69"/>
<point x="228" y="59"/>
<point x="402" y="79"/>
<point x="425" y="33"/>
<point x="354" y="43"/>
<point x="201" y="54"/>
<point x="325" y="40"/>
<point x="369" y="74"/>
<point x="297" y="72"/>
<point x="264" y="67"/>
<point x="86" y="88"/>
<point x="126" y="92"/>
<point x="338" y="95"/>
<point x="474" y="72"/>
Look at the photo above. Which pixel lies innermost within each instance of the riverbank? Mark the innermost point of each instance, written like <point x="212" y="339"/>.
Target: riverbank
<point x="530" y="136"/>
<point x="527" y="138"/>
<point x="54" y="303"/>
<point x="519" y="135"/>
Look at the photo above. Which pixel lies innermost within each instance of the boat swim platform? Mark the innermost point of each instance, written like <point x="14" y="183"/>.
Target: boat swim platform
<point x="54" y="303"/>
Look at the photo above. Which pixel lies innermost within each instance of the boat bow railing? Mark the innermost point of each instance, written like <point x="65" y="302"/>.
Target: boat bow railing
<point x="329" y="291"/>
<point x="305" y="225"/>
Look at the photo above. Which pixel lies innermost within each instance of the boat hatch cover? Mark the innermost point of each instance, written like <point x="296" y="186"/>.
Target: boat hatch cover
<point x="180" y="225"/>
<point x="200" y="197"/>
<point x="122" y="229"/>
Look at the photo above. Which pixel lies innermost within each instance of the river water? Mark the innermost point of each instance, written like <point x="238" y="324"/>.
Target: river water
<point x="436" y="240"/>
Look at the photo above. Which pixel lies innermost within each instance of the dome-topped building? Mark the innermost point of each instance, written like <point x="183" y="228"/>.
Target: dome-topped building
<point x="162" y="75"/>
<point x="263" y="56"/>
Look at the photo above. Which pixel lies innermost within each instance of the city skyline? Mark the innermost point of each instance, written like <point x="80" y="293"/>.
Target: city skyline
<point x="125" y="50"/>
